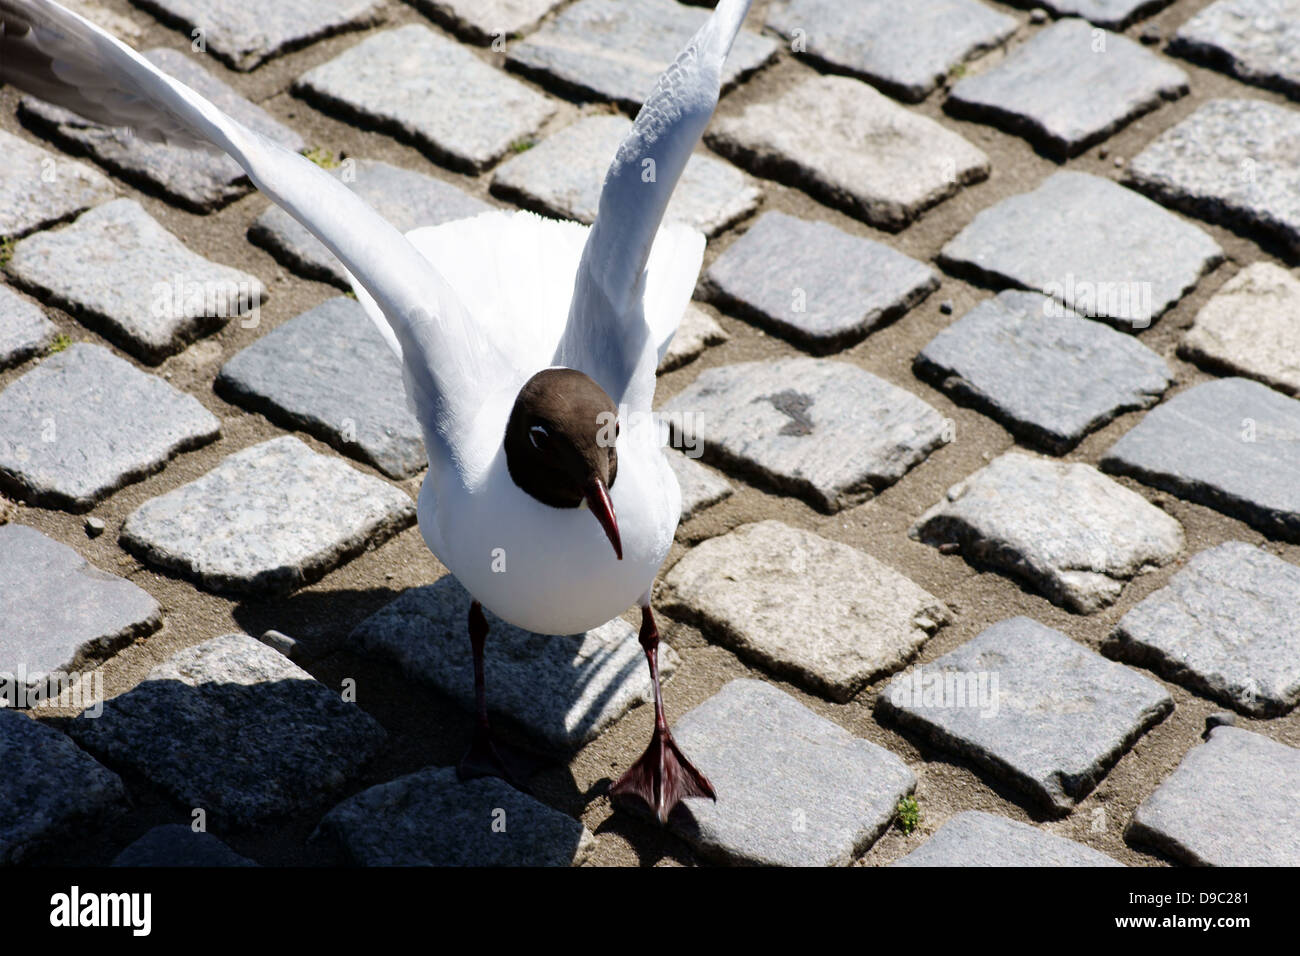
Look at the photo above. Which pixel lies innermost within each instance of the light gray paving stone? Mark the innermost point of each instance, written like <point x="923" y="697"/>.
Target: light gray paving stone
<point x="1031" y="707"/>
<point x="1224" y="626"/>
<point x="1231" y="162"/>
<point x="1068" y="87"/>
<point x="175" y="844"/>
<point x="564" y="691"/>
<point x="1233" y="801"/>
<point x="1251" y="327"/>
<point x="1230" y="444"/>
<point x="24" y="329"/>
<point x="199" y="180"/>
<point x="913" y="163"/>
<point x="405" y="198"/>
<point x="614" y="50"/>
<point x="330" y="373"/>
<point x="1257" y="41"/>
<point x="1064" y="528"/>
<point x="487" y="21"/>
<point x="904" y="49"/>
<point x="700" y="487"/>
<point x="814" y="284"/>
<point x="1100" y="249"/>
<point x="430" y="818"/>
<point x="231" y="726"/>
<point x="562" y="176"/>
<point x="698" y="330"/>
<point x="269" y="518"/>
<point x="1049" y="375"/>
<point x="429" y="91"/>
<point x="40" y="188"/>
<point x="124" y="275"/>
<point x="60" y="612"/>
<point x="84" y="422"/>
<point x="245" y="35"/>
<point x="828" y="615"/>
<point x="794" y="789"/>
<point x="1112" y="14"/>
<point x="827" y="431"/>
<point x="120" y="26"/>
<point x="974" y="838"/>
<point x="49" y="789"/>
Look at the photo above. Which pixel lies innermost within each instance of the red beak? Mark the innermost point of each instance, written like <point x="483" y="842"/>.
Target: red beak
<point x="598" y="501"/>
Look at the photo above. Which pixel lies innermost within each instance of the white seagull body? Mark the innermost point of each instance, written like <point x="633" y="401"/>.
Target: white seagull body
<point x="515" y="272"/>
<point x="478" y="311"/>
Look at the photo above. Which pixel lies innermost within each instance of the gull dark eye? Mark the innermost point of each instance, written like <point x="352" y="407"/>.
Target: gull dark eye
<point x="538" y="436"/>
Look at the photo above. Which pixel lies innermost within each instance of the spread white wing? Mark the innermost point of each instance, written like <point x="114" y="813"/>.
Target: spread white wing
<point x="514" y="271"/>
<point x="607" y="335"/>
<point x="447" y="361"/>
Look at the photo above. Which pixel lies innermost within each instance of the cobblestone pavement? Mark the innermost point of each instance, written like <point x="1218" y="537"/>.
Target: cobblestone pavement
<point x="991" y="365"/>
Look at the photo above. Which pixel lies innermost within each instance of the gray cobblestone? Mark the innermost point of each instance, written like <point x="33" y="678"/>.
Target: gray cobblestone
<point x="974" y="838"/>
<point x="697" y="331"/>
<point x="176" y="844"/>
<point x="244" y="35"/>
<point x="700" y="487"/>
<point x="430" y="818"/>
<point x="793" y="788"/>
<point x="562" y="176"/>
<point x="487" y="21"/>
<point x="59" y="611"/>
<point x="41" y="188"/>
<point x="563" y="691"/>
<point x="926" y="38"/>
<point x="1112" y="14"/>
<point x="1039" y="90"/>
<point x="824" y="430"/>
<point x="914" y="163"/>
<point x="1224" y="626"/>
<point x="588" y="49"/>
<point x="1102" y="250"/>
<point x="122" y="273"/>
<point x="199" y="180"/>
<point x="830" y="616"/>
<point x="1231" y="162"/>
<point x="1064" y="528"/>
<point x="820" y="287"/>
<point x="1257" y="41"/>
<point x="1229" y="444"/>
<point x="1047" y="374"/>
<point x="1251" y="327"/>
<point x="1231" y="802"/>
<point x="24" y="329"/>
<point x="50" y="789"/>
<point x="1055" y="722"/>
<point x="269" y="518"/>
<point x="232" y="727"/>
<point x="429" y="91"/>
<point x="330" y="373"/>
<point x="84" y="422"/>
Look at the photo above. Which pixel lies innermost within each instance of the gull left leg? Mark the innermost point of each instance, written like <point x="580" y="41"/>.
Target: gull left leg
<point x="663" y="775"/>
<point x="483" y="759"/>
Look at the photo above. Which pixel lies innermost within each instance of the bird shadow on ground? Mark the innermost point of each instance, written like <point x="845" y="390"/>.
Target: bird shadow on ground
<point x="425" y="727"/>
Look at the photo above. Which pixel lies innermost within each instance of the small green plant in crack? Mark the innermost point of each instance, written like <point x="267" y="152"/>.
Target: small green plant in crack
<point x="321" y="157"/>
<point x="957" y="72"/>
<point x="909" y="814"/>
<point x="6" y="251"/>
<point x="61" y="342"/>
<point x="522" y="145"/>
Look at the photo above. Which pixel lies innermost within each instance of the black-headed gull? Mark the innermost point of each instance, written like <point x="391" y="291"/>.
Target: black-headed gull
<point x="528" y="347"/>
